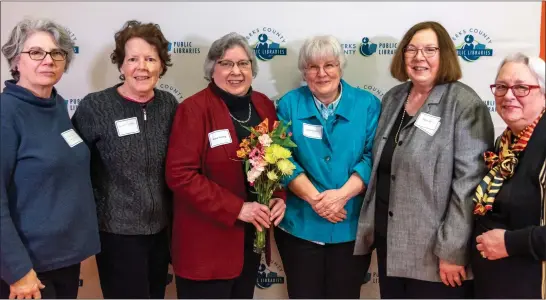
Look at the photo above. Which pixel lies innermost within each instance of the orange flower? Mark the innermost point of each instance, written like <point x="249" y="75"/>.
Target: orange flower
<point x="263" y="128"/>
<point x="275" y="125"/>
<point x="245" y="143"/>
<point x="241" y="153"/>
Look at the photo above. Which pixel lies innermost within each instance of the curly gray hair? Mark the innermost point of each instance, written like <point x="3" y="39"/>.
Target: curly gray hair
<point x="219" y="47"/>
<point x="24" y="29"/>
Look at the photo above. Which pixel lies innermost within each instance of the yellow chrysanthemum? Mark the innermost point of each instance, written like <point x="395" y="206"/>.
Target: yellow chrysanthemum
<point x="286" y="167"/>
<point x="269" y="157"/>
<point x="279" y="152"/>
<point x="272" y="175"/>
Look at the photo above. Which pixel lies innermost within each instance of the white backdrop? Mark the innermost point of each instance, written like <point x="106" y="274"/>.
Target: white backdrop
<point x="497" y="29"/>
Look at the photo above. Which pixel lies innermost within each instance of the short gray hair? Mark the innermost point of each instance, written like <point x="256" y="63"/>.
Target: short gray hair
<point x="219" y="47"/>
<point x="24" y="29"/>
<point x="319" y="47"/>
<point x="535" y="64"/>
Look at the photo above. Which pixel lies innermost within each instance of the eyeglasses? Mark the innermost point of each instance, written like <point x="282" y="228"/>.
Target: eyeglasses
<point x="242" y="64"/>
<point x="427" y="51"/>
<point x="329" y="68"/>
<point x="57" y="55"/>
<point x="519" y="90"/>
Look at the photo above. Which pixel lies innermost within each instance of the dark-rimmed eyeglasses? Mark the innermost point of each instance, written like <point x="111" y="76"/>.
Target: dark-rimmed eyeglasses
<point x="519" y="90"/>
<point x="427" y="51"/>
<point x="58" y="55"/>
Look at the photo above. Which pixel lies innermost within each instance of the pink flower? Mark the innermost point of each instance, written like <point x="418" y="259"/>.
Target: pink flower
<point x="265" y="140"/>
<point x="255" y="153"/>
<point x="258" y="163"/>
<point x="253" y="174"/>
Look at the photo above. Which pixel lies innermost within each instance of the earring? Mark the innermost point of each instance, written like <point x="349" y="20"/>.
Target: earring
<point x="122" y="77"/>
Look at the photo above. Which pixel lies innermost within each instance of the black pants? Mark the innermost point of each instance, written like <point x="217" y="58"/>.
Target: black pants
<point x="241" y="287"/>
<point x="315" y="271"/>
<point x="61" y="283"/>
<point x="407" y="288"/>
<point x="133" y="266"/>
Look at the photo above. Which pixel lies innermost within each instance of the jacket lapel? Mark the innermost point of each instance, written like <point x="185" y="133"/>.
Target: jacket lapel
<point x="431" y="102"/>
<point x="394" y="105"/>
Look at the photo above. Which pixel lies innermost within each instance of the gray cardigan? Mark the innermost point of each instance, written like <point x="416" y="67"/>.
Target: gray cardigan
<point x="128" y="170"/>
<point x="433" y="180"/>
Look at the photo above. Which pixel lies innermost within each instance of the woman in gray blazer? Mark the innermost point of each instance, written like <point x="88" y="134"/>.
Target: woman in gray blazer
<point x="427" y="151"/>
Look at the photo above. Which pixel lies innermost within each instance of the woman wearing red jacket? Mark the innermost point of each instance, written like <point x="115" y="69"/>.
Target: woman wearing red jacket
<point x="215" y="213"/>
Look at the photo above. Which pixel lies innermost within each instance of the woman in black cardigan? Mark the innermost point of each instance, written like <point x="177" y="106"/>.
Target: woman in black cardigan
<point x="509" y="241"/>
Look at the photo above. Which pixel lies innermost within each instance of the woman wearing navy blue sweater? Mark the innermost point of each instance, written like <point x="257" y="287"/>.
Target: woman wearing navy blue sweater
<point x="48" y="217"/>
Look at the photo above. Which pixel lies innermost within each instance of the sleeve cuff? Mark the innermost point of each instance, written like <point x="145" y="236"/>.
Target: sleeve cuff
<point x="517" y="241"/>
<point x="363" y="171"/>
<point x="16" y="274"/>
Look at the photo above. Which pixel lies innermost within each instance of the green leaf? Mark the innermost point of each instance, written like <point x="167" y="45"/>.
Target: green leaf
<point x="288" y="143"/>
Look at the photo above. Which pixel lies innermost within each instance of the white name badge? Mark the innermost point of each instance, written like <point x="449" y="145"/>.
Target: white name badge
<point x="312" y="131"/>
<point x="219" y="138"/>
<point x="428" y="123"/>
<point x="127" y="126"/>
<point x="71" y="138"/>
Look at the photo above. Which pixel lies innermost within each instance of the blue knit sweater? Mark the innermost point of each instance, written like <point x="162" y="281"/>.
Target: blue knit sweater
<point x="47" y="212"/>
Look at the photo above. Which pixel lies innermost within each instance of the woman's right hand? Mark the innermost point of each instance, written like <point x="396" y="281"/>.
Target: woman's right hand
<point x="27" y="287"/>
<point x="338" y="217"/>
<point x="255" y="213"/>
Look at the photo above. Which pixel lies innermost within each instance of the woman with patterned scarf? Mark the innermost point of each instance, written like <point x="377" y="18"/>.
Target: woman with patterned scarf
<point x="509" y="241"/>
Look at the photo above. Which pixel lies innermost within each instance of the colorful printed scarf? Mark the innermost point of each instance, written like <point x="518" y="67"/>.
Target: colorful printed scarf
<point x="501" y="166"/>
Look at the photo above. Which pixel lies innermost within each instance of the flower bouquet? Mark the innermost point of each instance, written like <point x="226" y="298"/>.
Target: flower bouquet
<point x="265" y="154"/>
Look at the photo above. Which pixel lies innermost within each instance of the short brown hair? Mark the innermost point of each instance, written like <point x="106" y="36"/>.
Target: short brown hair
<point x="449" y="70"/>
<point x="149" y="32"/>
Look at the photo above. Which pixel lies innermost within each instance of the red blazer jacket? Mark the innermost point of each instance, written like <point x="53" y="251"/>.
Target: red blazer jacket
<point x="209" y="188"/>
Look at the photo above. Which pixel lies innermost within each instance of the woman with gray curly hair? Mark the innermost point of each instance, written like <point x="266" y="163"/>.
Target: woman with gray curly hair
<point x="48" y="219"/>
<point x="215" y="210"/>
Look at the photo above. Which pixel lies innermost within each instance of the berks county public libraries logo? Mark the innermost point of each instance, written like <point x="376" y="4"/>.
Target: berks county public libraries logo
<point x="266" y="42"/>
<point x="472" y="44"/>
<point x="368" y="47"/>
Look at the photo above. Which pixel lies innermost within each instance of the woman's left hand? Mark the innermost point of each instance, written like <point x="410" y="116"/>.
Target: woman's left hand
<point x="277" y="207"/>
<point x="452" y="274"/>
<point x="491" y="244"/>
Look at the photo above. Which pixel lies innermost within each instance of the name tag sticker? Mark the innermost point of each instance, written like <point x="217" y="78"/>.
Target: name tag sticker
<point x="312" y="131"/>
<point x="428" y="123"/>
<point x="127" y="126"/>
<point x="219" y="138"/>
<point x="71" y="138"/>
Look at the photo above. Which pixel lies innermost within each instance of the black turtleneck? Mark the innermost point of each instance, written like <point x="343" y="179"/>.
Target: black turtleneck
<point x="238" y="108"/>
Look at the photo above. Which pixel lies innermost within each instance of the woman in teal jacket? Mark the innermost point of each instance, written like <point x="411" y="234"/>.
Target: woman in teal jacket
<point x="333" y="125"/>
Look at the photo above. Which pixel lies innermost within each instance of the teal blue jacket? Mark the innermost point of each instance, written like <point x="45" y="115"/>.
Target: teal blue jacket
<point x="328" y="152"/>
